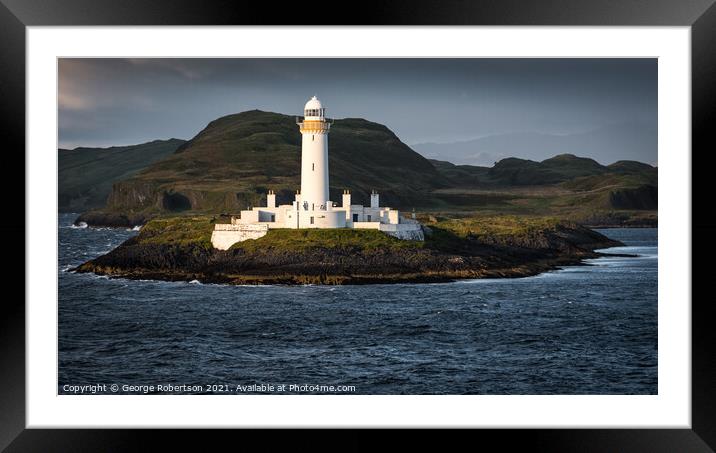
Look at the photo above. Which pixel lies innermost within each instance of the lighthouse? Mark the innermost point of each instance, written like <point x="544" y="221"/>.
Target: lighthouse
<point x="312" y="207"/>
<point x="314" y="156"/>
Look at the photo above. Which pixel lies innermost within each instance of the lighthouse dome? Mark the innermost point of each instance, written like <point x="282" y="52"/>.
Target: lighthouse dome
<point x="314" y="108"/>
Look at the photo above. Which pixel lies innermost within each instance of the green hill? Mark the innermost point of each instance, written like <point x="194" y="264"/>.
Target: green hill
<point x="565" y="185"/>
<point x="522" y="172"/>
<point x="519" y="172"/>
<point x="569" y="166"/>
<point x="514" y="171"/>
<point x="462" y="175"/>
<point x="233" y="162"/>
<point x="631" y="167"/>
<point x="86" y="175"/>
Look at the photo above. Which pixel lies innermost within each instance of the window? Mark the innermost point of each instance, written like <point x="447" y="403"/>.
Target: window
<point x="311" y="220"/>
<point x="368" y="217"/>
<point x="355" y="217"/>
<point x="313" y="167"/>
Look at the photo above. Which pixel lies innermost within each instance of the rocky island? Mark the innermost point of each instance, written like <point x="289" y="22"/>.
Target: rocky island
<point x="516" y="219"/>
<point x="179" y="249"/>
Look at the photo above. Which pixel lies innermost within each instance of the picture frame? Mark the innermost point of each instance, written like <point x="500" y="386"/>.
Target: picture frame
<point x="16" y="15"/>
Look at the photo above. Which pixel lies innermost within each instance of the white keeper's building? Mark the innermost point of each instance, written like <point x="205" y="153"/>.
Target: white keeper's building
<point x="312" y="207"/>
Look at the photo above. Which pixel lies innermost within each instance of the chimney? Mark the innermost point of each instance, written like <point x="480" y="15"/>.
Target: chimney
<point x="374" y="200"/>
<point x="346" y="198"/>
<point x="271" y="199"/>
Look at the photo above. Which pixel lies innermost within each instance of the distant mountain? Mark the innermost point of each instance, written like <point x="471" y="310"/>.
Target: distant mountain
<point x="462" y="175"/>
<point x="629" y="166"/>
<point x="514" y="171"/>
<point x="570" y="166"/>
<point x="522" y="172"/>
<point x="233" y="162"/>
<point x="635" y="141"/>
<point x="86" y="175"/>
<point x="575" y="183"/>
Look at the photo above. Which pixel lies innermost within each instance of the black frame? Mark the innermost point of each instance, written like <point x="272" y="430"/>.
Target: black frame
<point x="15" y="15"/>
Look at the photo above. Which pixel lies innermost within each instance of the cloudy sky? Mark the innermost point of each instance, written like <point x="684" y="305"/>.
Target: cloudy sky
<point x="105" y="102"/>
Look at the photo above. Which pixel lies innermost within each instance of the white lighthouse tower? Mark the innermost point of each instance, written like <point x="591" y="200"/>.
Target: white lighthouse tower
<point x="312" y="207"/>
<point x="314" y="156"/>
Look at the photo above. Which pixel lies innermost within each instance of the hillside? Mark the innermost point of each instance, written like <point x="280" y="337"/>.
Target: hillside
<point x="462" y="175"/>
<point x="86" y="175"/>
<point x="518" y="172"/>
<point x="232" y="162"/>
<point x="624" y="193"/>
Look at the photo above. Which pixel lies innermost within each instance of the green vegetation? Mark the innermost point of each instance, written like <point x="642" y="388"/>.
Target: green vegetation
<point x="445" y="234"/>
<point x="189" y="230"/>
<point x="630" y="166"/>
<point x="564" y="186"/>
<point x="347" y="239"/>
<point x="196" y="230"/>
<point x="569" y="166"/>
<point x="86" y="175"/>
<point x="505" y="225"/>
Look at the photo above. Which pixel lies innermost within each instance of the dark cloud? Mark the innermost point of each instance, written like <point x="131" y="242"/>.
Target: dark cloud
<point x="106" y="102"/>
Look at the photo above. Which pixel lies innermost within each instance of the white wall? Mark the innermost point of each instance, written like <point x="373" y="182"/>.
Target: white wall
<point x="249" y="216"/>
<point x="225" y="235"/>
<point x="366" y="225"/>
<point x="322" y="219"/>
<point x="405" y="231"/>
<point x="393" y="216"/>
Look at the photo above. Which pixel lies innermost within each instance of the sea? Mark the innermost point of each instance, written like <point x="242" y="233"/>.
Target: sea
<point x="589" y="329"/>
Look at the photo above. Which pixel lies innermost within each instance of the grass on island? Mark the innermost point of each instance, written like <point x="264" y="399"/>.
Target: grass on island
<point x="180" y="230"/>
<point x="196" y="230"/>
<point x="289" y="239"/>
<point x="447" y="234"/>
<point x="504" y="225"/>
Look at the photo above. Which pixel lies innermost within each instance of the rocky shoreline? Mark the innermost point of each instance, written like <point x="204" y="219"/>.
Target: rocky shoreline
<point x="298" y="259"/>
<point x="111" y="220"/>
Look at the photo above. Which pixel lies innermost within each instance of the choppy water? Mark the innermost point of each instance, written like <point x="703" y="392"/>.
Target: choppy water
<point x="581" y="330"/>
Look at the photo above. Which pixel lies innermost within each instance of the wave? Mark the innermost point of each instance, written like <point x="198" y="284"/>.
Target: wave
<point x="634" y="249"/>
<point x="79" y="225"/>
